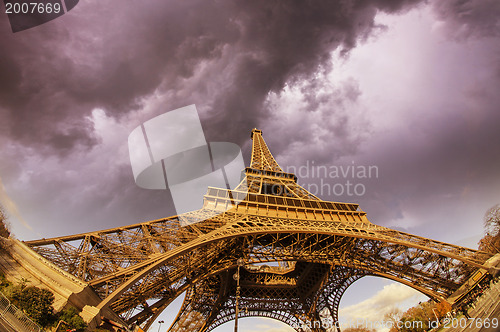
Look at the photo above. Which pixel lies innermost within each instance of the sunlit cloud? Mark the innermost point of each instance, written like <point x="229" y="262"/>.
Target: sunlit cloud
<point x="374" y="308"/>
<point x="265" y="324"/>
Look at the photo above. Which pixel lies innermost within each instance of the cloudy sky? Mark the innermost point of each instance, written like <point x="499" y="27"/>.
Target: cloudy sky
<point x="409" y="88"/>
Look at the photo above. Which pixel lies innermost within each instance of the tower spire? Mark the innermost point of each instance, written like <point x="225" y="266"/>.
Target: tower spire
<point x="262" y="158"/>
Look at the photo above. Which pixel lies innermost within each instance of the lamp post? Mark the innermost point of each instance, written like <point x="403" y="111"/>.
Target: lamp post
<point x="236" y="276"/>
<point x="160" y="322"/>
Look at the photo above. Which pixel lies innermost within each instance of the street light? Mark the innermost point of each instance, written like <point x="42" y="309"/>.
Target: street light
<point x="160" y="322"/>
<point x="236" y="276"/>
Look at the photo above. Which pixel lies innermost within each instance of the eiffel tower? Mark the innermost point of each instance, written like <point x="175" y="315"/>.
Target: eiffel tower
<point x="281" y="252"/>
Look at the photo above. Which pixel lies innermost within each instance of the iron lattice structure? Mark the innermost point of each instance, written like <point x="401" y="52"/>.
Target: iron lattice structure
<point x="321" y="248"/>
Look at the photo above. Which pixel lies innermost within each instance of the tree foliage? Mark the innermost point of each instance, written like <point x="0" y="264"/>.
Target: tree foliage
<point x="393" y="316"/>
<point x="72" y="319"/>
<point x="492" y="220"/>
<point x="491" y="241"/>
<point x="35" y="302"/>
<point x="442" y="308"/>
<point x="4" y="283"/>
<point x="490" y="244"/>
<point x="358" y="329"/>
<point x="420" y="313"/>
<point x="4" y="225"/>
<point x="419" y="318"/>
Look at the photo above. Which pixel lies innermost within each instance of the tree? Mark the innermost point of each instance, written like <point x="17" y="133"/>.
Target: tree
<point x="4" y="225"/>
<point x="35" y="302"/>
<point x="419" y="318"/>
<point x="358" y="329"/>
<point x="415" y="319"/>
<point x="491" y="241"/>
<point x="393" y="316"/>
<point x="72" y="319"/>
<point x="442" y="308"/>
<point x="492" y="220"/>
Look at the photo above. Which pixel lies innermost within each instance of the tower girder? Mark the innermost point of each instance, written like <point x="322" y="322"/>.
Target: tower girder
<point x="267" y="218"/>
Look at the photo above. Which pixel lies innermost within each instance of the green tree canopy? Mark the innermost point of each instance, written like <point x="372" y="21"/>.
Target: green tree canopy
<point x="35" y="302"/>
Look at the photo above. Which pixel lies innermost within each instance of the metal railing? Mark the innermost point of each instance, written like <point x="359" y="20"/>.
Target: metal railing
<point x="15" y="317"/>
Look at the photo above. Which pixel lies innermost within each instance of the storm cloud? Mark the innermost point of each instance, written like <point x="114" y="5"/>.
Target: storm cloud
<point x="226" y="56"/>
<point x="72" y="90"/>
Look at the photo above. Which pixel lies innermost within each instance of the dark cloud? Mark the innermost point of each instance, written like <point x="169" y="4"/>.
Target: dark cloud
<point x="284" y="43"/>
<point x="324" y="124"/>
<point x="112" y="56"/>
<point x="442" y="171"/>
<point x="470" y="18"/>
<point x="235" y="61"/>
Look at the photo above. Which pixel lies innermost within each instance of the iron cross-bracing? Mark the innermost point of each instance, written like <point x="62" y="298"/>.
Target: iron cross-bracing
<point x="300" y="254"/>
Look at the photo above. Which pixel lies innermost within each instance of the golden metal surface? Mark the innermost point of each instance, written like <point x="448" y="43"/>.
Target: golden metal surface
<point x="314" y="250"/>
